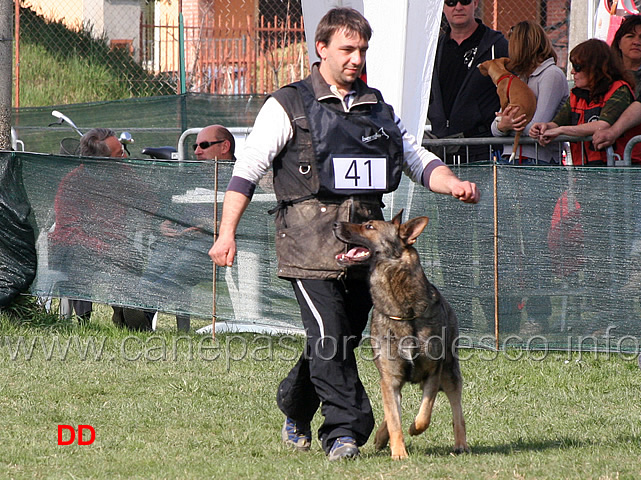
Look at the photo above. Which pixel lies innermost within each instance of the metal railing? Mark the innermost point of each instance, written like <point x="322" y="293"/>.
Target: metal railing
<point x="562" y="143"/>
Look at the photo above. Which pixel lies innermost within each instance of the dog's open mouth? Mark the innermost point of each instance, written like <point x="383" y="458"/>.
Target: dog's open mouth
<point x="355" y="256"/>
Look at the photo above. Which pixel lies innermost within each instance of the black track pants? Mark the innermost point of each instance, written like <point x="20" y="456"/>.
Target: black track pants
<point x="334" y="314"/>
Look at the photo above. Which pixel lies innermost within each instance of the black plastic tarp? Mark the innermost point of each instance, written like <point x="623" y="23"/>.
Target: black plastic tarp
<point x="17" y="244"/>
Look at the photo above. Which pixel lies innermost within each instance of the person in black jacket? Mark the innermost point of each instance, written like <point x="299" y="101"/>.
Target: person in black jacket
<point x="463" y="102"/>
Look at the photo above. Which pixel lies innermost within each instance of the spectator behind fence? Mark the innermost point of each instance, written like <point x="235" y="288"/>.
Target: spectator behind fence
<point x="626" y="44"/>
<point x="90" y="229"/>
<point x="335" y="109"/>
<point x="463" y="102"/>
<point x="178" y="259"/>
<point x="603" y="90"/>
<point x="533" y="59"/>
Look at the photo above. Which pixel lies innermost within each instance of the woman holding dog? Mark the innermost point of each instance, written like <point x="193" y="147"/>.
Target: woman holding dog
<point x="533" y="59"/>
<point x="603" y="90"/>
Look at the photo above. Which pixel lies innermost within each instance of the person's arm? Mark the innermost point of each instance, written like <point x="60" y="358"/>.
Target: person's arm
<point x="583" y="130"/>
<point x="224" y="249"/>
<point x="630" y="118"/>
<point x="614" y="107"/>
<point x="442" y="180"/>
<point x="508" y="121"/>
<point x="271" y="132"/>
<point x="538" y="130"/>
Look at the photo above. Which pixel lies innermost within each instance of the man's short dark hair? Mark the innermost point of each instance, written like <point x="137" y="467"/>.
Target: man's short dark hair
<point x="342" y="18"/>
<point x="92" y="143"/>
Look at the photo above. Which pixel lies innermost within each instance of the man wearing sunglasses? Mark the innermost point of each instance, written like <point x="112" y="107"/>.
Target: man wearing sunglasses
<point x="463" y="102"/>
<point x="214" y="141"/>
<point x="178" y="258"/>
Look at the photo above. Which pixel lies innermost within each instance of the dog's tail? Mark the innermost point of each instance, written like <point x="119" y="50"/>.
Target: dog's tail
<point x="515" y="145"/>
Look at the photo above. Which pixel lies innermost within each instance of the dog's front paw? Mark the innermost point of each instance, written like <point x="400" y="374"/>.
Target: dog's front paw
<point x="415" y="430"/>
<point x="460" y="449"/>
<point x="399" y="454"/>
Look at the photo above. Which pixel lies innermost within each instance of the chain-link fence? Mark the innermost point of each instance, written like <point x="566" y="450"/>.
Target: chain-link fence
<point x="150" y="47"/>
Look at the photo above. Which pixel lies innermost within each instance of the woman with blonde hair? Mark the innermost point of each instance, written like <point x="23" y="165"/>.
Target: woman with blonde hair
<point x="533" y="59"/>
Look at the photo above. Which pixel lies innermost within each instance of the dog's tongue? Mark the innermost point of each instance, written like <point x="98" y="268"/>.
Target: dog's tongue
<point x="355" y="255"/>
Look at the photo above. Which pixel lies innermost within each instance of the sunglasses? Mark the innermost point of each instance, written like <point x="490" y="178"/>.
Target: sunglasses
<point x="577" y="67"/>
<point x="206" y="145"/>
<point x="452" y="3"/>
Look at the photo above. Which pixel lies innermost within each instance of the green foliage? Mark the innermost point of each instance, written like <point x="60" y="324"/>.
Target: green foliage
<point x="60" y="66"/>
<point x="165" y="405"/>
<point x="47" y="79"/>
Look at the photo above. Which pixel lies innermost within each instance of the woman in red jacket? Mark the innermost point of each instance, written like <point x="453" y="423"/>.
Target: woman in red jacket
<point x="603" y="90"/>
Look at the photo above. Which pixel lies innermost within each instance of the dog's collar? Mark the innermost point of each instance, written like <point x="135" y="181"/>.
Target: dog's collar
<point x="402" y="319"/>
<point x="407" y="319"/>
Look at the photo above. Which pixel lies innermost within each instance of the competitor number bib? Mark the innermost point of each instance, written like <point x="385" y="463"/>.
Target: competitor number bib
<point x="360" y="173"/>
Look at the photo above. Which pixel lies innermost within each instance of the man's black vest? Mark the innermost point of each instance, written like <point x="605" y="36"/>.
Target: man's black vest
<point x="335" y="153"/>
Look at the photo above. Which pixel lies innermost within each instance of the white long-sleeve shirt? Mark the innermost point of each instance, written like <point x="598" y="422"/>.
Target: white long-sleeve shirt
<point x="273" y="129"/>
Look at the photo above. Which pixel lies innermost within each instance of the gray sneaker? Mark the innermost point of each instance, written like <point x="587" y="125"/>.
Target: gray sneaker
<point x="344" y="447"/>
<point x="298" y="437"/>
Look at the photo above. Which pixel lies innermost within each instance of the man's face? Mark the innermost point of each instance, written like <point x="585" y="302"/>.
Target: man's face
<point x="342" y="58"/>
<point x="460" y="15"/>
<point x="115" y="147"/>
<point x="217" y="147"/>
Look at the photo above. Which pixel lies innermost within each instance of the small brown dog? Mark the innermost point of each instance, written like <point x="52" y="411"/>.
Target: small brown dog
<point x="414" y="330"/>
<point x="511" y="91"/>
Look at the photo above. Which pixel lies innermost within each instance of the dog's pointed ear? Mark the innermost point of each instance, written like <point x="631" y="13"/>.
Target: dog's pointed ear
<point x="398" y="218"/>
<point x="411" y="229"/>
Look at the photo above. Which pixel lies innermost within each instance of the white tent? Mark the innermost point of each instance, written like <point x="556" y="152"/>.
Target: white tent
<point x="401" y="53"/>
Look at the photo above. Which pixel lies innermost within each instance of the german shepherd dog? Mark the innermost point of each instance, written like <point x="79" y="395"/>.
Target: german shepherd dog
<point x="414" y="329"/>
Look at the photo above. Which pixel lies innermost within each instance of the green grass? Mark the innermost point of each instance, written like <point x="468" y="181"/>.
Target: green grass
<point x="212" y="413"/>
<point x="60" y="66"/>
<point x="47" y="79"/>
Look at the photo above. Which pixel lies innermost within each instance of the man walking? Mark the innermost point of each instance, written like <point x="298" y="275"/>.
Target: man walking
<point x="319" y="136"/>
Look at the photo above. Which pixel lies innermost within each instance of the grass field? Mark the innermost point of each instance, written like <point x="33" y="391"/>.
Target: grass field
<point x="42" y="75"/>
<point x="165" y="405"/>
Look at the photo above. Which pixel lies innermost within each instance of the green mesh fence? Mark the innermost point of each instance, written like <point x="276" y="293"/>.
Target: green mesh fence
<point x="153" y="121"/>
<point x="568" y="250"/>
<point x="567" y="279"/>
<point x="100" y="225"/>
